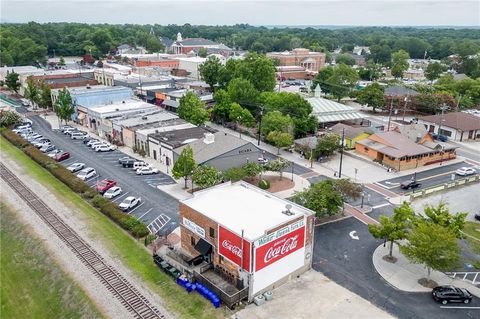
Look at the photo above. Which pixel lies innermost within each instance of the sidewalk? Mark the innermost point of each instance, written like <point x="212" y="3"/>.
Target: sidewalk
<point x="404" y="275"/>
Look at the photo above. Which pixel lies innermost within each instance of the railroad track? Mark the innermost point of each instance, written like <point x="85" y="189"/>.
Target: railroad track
<point x="131" y="299"/>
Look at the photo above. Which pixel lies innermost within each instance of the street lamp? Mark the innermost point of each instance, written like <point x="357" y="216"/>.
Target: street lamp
<point x="292" y="170"/>
<point x="260" y="125"/>
<point x="363" y="196"/>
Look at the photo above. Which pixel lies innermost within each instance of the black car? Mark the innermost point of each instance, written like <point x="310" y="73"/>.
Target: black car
<point x="411" y="183"/>
<point x="446" y="294"/>
<point x="124" y="159"/>
<point x="477" y="216"/>
<point x="129" y="162"/>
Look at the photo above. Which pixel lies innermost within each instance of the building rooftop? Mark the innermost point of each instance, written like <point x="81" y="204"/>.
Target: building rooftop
<point x="398" y="90"/>
<point x="457" y="120"/>
<point x="241" y="206"/>
<point x="350" y="131"/>
<point x="121" y="106"/>
<point x="220" y="143"/>
<point x="331" y="111"/>
<point x="180" y="137"/>
<point x="195" y="42"/>
<point x="160" y="127"/>
<point x="146" y="118"/>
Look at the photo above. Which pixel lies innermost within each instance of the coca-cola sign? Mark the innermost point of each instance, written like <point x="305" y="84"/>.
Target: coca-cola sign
<point x="230" y="247"/>
<point x="279" y="248"/>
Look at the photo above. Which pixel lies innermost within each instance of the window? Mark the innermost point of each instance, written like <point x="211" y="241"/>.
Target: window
<point x="192" y="241"/>
<point x="366" y="149"/>
<point x="212" y="232"/>
<point x="445" y="132"/>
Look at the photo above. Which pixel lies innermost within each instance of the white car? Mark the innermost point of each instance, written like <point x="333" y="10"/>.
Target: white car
<point x="97" y="143"/>
<point x="92" y="141"/>
<point x="104" y="148"/>
<point x="47" y="148"/>
<point x="465" y="171"/>
<point x="75" y="167"/>
<point x="54" y="152"/>
<point x="148" y="170"/>
<point x="129" y="203"/>
<point x="139" y="164"/>
<point x="78" y="135"/>
<point x="86" y="173"/>
<point x="112" y="192"/>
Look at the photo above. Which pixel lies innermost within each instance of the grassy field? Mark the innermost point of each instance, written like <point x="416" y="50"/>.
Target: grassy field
<point x="472" y="229"/>
<point x="130" y="252"/>
<point x="32" y="283"/>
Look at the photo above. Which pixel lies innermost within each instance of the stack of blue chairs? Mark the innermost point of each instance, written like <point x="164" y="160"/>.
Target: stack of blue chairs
<point x="207" y="294"/>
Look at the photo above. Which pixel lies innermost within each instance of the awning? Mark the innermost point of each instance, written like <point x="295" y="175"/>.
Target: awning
<point x="203" y="247"/>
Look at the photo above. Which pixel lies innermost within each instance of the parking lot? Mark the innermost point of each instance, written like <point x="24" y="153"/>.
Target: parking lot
<point x="158" y="210"/>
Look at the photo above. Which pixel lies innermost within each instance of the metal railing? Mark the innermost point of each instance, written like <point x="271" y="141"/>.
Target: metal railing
<point x="441" y="187"/>
<point x="227" y="299"/>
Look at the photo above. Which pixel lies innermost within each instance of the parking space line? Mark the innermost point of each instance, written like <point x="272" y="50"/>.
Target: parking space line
<point x="141" y="204"/>
<point x="148" y="211"/>
<point x="458" y="307"/>
<point x="381" y="205"/>
<point x="118" y="197"/>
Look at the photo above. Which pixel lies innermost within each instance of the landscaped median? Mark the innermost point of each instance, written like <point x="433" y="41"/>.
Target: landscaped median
<point x="127" y="250"/>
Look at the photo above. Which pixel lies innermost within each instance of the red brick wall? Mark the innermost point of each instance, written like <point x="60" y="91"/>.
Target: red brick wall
<point x="162" y="63"/>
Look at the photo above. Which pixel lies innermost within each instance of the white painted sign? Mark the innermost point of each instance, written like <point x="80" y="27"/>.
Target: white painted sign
<point x="353" y="236"/>
<point x="279" y="233"/>
<point x="194" y="227"/>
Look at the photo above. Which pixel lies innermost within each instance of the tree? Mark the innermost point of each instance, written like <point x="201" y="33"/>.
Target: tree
<point x="342" y="81"/>
<point x="440" y="215"/>
<point x="61" y="61"/>
<point x="253" y="169"/>
<point x="202" y="52"/>
<point x="11" y="81"/>
<point x="31" y="92"/>
<point x="348" y="189"/>
<point x="241" y="116"/>
<point x="234" y="174"/>
<point x="394" y="228"/>
<point x="370" y="72"/>
<point x="185" y="164"/>
<point x="9" y="118"/>
<point x="277" y="165"/>
<point x="434" y="70"/>
<point x="381" y="53"/>
<point x="259" y="70"/>
<point x="433" y="246"/>
<point x="192" y="109"/>
<point x="206" y="176"/>
<point x="280" y="139"/>
<point x="45" y="99"/>
<point x="275" y="121"/>
<point x="372" y="96"/>
<point x="399" y="63"/>
<point x="345" y="59"/>
<point x="322" y="79"/>
<point x="210" y="71"/>
<point x="154" y="44"/>
<point x="243" y="92"/>
<point x="221" y="109"/>
<point x="327" y="144"/>
<point x="63" y="106"/>
<point x="322" y="198"/>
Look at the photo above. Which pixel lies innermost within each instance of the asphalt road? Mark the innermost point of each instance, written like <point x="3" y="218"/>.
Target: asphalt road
<point x="297" y="169"/>
<point x="158" y="210"/>
<point x="428" y="178"/>
<point x="349" y="263"/>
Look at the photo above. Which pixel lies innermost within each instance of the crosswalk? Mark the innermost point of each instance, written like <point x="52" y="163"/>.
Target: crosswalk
<point x="158" y="223"/>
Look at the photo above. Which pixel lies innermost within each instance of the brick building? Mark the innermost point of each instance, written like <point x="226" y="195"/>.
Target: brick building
<point x="311" y="61"/>
<point x="254" y="239"/>
<point x="158" y="62"/>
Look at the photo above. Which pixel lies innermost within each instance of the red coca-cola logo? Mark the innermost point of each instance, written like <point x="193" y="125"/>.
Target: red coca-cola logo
<point x="234" y="249"/>
<point x="275" y="252"/>
<point x="279" y="248"/>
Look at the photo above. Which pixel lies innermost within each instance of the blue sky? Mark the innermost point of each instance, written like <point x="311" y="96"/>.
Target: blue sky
<point x="260" y="12"/>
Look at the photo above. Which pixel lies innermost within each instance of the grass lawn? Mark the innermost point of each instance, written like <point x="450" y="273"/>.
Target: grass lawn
<point x="130" y="252"/>
<point x="32" y="283"/>
<point x="472" y="229"/>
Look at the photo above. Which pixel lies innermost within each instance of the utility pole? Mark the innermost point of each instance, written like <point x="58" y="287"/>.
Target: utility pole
<point x="441" y="120"/>
<point x="260" y="125"/>
<point x="341" y="153"/>
<point x="390" y="114"/>
<point x="405" y="107"/>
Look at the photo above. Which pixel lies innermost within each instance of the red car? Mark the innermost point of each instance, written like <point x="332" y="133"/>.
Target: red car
<point x="61" y="156"/>
<point x="103" y="185"/>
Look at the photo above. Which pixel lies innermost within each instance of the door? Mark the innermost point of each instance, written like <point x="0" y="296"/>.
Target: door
<point x="379" y="157"/>
<point x="154" y="155"/>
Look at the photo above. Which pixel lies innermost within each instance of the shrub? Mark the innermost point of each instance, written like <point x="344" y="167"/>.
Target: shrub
<point x="89" y="194"/>
<point x="130" y="222"/>
<point x="151" y="238"/>
<point x="98" y="200"/>
<point x="140" y="230"/>
<point x="15" y="139"/>
<point x="234" y="174"/>
<point x="264" y="184"/>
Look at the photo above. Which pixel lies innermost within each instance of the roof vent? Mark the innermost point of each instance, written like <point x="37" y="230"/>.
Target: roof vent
<point x="117" y="110"/>
<point x="144" y="117"/>
<point x="208" y="138"/>
<point x="288" y="211"/>
<point x="123" y="102"/>
<point x="88" y="87"/>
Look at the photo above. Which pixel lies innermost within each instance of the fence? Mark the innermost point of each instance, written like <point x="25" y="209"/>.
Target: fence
<point x="438" y="188"/>
<point x="227" y="299"/>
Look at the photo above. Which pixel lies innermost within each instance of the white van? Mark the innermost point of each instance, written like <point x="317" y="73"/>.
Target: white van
<point x="78" y="135"/>
<point x="137" y="165"/>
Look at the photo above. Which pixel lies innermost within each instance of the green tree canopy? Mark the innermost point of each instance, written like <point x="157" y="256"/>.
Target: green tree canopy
<point x="396" y="227"/>
<point x="399" y="63"/>
<point x="9" y="118"/>
<point x="210" y="71"/>
<point x="372" y="96"/>
<point x="244" y="93"/>
<point x="253" y="169"/>
<point x="342" y="81"/>
<point x="345" y="59"/>
<point x="441" y="215"/>
<point x="276" y="121"/>
<point x="223" y="103"/>
<point x="11" y="81"/>
<point x="434" y="70"/>
<point x="241" y="115"/>
<point x="278" y="165"/>
<point x="63" y="106"/>
<point x="45" y="100"/>
<point x="192" y="109"/>
<point x="327" y="144"/>
<point x="32" y="93"/>
<point x="206" y="176"/>
<point x="433" y="246"/>
<point x="185" y="164"/>
<point x="202" y="52"/>
<point x="280" y="139"/>
<point x="322" y="198"/>
<point x="259" y="70"/>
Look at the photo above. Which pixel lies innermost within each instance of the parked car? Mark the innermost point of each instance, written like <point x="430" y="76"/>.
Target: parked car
<point x="105" y="184"/>
<point x="92" y="141"/>
<point x="61" y="156"/>
<point x="78" y="135"/>
<point x="465" y="171"/>
<point x="86" y="173"/>
<point x="97" y="143"/>
<point x="47" y="148"/>
<point x="440" y="137"/>
<point x="138" y="164"/>
<point x="112" y="192"/>
<point x="262" y="160"/>
<point x="477" y="215"/>
<point x="123" y="159"/>
<point x="75" y="167"/>
<point x="88" y="139"/>
<point x="68" y="130"/>
<point x="129" y="162"/>
<point x="63" y="128"/>
<point x="147" y="170"/>
<point x="41" y="142"/>
<point x="446" y="294"/>
<point x="33" y="137"/>
<point x="104" y="148"/>
<point x="129" y="203"/>
<point x="54" y="152"/>
<point x="410" y="184"/>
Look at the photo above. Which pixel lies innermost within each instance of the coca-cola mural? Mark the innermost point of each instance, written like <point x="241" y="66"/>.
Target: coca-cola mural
<point x="275" y="250"/>
<point x="230" y="246"/>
